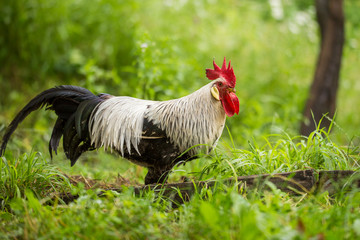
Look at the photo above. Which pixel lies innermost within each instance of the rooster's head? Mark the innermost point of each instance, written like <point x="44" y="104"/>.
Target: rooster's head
<point x="224" y="87"/>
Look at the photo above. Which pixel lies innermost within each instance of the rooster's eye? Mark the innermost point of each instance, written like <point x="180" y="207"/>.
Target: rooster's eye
<point x="220" y="84"/>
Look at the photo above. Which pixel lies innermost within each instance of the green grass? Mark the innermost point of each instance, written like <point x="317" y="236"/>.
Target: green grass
<point x="158" y="50"/>
<point x="223" y="212"/>
<point x="29" y="172"/>
<point x="277" y="153"/>
<point x="210" y="214"/>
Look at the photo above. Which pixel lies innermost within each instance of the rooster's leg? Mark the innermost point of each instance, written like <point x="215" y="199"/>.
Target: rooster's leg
<point x="156" y="175"/>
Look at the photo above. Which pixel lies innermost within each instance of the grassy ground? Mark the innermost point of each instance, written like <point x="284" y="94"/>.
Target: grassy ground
<point x="159" y="50"/>
<point x="29" y="181"/>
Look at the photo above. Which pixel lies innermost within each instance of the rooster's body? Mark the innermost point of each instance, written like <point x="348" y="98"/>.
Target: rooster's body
<point x="153" y="134"/>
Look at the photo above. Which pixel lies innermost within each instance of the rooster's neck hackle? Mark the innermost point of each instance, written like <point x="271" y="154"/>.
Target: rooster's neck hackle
<point x="194" y="119"/>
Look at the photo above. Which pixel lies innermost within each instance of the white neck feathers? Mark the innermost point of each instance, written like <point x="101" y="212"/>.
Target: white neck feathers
<point x="188" y="121"/>
<point x="191" y="120"/>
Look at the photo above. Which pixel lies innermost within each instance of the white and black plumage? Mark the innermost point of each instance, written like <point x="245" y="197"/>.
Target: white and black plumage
<point x="154" y="134"/>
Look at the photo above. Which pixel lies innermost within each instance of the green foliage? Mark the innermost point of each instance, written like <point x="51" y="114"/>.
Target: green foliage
<point x="159" y="50"/>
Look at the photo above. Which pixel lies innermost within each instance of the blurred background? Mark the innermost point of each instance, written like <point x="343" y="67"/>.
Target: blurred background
<point x="159" y="50"/>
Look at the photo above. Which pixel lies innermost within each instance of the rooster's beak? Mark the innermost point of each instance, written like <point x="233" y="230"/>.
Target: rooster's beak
<point x="232" y="90"/>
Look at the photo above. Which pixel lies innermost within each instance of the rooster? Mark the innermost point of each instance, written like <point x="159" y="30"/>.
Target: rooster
<point x="153" y="134"/>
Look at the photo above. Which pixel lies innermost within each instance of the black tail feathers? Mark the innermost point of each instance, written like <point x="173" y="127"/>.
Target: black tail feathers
<point x="73" y="105"/>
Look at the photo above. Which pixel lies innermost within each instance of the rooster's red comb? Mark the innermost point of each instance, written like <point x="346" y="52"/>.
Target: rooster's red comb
<point x="225" y="72"/>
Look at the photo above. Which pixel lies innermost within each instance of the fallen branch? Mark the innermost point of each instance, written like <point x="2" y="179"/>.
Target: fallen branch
<point x="294" y="183"/>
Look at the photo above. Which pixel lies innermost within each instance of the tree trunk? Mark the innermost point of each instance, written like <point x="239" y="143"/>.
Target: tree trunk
<point x="322" y="99"/>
